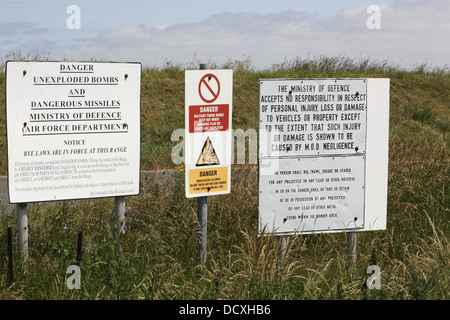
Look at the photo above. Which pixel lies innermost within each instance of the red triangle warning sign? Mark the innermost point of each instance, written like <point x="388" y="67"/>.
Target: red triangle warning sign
<point x="208" y="155"/>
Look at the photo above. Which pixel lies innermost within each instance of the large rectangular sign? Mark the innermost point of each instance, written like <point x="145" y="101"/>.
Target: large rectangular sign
<point x="312" y="194"/>
<point x="208" y="110"/>
<point x="73" y="130"/>
<point x="312" y="117"/>
<point x="323" y="145"/>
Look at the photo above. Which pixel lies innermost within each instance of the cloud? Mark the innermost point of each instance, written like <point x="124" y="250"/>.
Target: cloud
<point x="411" y="32"/>
<point x="20" y="28"/>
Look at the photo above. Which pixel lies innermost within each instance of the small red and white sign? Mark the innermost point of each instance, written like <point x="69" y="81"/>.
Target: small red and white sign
<point x="209" y="118"/>
<point x="208" y="107"/>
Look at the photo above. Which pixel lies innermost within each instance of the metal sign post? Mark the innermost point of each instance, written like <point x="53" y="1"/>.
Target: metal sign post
<point x="202" y="215"/>
<point x="119" y="209"/>
<point x="351" y="250"/>
<point x="22" y="230"/>
<point x="281" y="242"/>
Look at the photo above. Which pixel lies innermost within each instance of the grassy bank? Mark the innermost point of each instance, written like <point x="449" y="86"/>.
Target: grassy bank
<point x="159" y="255"/>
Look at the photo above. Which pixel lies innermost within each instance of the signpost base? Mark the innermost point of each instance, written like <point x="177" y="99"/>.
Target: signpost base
<point x="281" y="242"/>
<point x="202" y="213"/>
<point x="119" y="207"/>
<point x="351" y="250"/>
<point x="202" y="216"/>
<point x="22" y="230"/>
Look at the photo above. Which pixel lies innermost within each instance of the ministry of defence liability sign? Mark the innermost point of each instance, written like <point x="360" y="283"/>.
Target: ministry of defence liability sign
<point x="322" y="152"/>
<point x="73" y="130"/>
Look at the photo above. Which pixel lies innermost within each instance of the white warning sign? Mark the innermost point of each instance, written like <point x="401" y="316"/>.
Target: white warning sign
<point x="313" y="117"/>
<point x="208" y="106"/>
<point x="322" y="147"/>
<point x="73" y="130"/>
<point x="313" y="194"/>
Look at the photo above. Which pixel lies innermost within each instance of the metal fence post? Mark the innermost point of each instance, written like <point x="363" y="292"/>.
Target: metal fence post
<point x="281" y="242"/>
<point x="119" y="208"/>
<point x="351" y="249"/>
<point x="22" y="230"/>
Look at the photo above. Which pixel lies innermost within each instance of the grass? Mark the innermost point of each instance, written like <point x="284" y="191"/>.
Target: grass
<point x="160" y="260"/>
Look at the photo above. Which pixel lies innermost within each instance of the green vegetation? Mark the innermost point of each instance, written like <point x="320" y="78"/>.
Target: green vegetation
<point x="159" y="259"/>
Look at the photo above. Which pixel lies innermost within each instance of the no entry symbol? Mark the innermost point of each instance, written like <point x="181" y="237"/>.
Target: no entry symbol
<point x="209" y="88"/>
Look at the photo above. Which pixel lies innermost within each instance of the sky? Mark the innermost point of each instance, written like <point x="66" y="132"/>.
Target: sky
<point x="406" y="33"/>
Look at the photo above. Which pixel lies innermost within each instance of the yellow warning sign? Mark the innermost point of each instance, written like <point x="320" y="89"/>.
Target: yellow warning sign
<point x="208" y="180"/>
<point x="208" y="155"/>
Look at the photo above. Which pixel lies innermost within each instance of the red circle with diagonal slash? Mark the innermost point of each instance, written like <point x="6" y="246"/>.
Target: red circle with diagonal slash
<point x="204" y="83"/>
